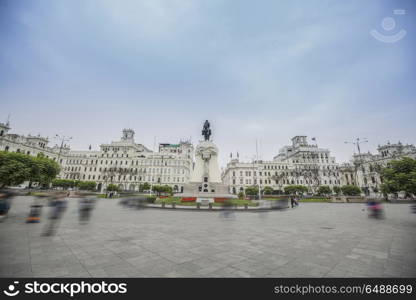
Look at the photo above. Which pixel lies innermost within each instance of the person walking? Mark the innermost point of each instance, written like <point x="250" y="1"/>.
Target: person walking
<point x="58" y="207"/>
<point x="86" y="206"/>
<point x="292" y="201"/>
<point x="5" y="200"/>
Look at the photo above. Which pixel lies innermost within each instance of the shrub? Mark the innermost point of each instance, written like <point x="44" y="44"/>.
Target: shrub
<point x="63" y="183"/>
<point x="267" y="190"/>
<point x="252" y="191"/>
<point x="112" y="188"/>
<point x="324" y="190"/>
<point x="295" y="189"/>
<point x="337" y="190"/>
<point x="86" y="185"/>
<point x="151" y="199"/>
<point x="350" y="190"/>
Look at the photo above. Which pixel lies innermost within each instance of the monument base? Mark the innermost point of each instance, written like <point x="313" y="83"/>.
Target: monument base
<point x="195" y="189"/>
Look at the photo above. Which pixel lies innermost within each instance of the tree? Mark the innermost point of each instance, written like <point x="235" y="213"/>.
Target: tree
<point x="159" y="189"/>
<point x="241" y="195"/>
<point x="350" y="190"/>
<point x="295" y="189"/>
<point x="337" y="190"/>
<point x="399" y="175"/>
<point x="144" y="187"/>
<point x="267" y="190"/>
<point x="13" y="170"/>
<point x="63" y="183"/>
<point x="168" y="190"/>
<point x="324" y="190"/>
<point x="44" y="170"/>
<point x="252" y="191"/>
<point x="16" y="168"/>
<point x="112" y="188"/>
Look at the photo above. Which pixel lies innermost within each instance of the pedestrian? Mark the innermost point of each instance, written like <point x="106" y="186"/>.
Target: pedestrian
<point x="35" y="210"/>
<point x="58" y="207"/>
<point x="86" y="206"/>
<point x="5" y="200"/>
<point x="297" y="201"/>
<point x="292" y="201"/>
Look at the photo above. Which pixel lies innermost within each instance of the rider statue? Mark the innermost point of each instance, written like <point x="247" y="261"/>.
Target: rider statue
<point x="206" y="131"/>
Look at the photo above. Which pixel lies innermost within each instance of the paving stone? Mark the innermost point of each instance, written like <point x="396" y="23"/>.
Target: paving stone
<point x="315" y="239"/>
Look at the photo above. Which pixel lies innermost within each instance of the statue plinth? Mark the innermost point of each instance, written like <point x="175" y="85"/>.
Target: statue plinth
<point x="205" y="183"/>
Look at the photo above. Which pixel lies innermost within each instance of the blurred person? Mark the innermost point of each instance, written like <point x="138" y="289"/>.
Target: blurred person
<point x="86" y="206"/>
<point x="280" y="204"/>
<point x="413" y="208"/>
<point x="141" y="202"/>
<point x="35" y="210"/>
<point x="375" y="209"/>
<point x="58" y="206"/>
<point x="264" y="207"/>
<point x="5" y="202"/>
<point x="227" y="209"/>
<point x="292" y="201"/>
<point x="297" y="199"/>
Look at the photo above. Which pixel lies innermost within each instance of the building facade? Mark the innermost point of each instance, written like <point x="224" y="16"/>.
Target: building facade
<point x="129" y="164"/>
<point x="298" y="164"/>
<point x="124" y="162"/>
<point x="364" y="168"/>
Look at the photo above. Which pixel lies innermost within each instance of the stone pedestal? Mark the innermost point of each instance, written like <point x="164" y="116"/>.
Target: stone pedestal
<point x="205" y="183"/>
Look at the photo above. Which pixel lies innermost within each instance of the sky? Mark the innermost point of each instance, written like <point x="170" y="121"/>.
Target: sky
<point x="264" y="70"/>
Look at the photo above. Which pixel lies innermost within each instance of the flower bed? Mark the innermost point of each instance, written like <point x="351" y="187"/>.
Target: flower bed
<point x="220" y="200"/>
<point x="188" y="199"/>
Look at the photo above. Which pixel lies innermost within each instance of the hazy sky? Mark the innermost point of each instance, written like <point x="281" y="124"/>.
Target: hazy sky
<point x="266" y="70"/>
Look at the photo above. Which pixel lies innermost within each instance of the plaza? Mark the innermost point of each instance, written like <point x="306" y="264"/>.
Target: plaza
<point x="313" y="240"/>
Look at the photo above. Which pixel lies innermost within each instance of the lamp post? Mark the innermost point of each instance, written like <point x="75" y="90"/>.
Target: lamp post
<point x="63" y="139"/>
<point x="357" y="143"/>
<point x="154" y="160"/>
<point x="258" y="169"/>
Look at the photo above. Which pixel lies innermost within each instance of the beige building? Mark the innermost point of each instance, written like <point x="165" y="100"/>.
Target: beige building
<point x="364" y="169"/>
<point x="124" y="162"/>
<point x="129" y="164"/>
<point x="298" y="164"/>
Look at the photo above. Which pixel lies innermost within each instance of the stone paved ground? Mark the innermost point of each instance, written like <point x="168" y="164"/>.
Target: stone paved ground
<point x="314" y="240"/>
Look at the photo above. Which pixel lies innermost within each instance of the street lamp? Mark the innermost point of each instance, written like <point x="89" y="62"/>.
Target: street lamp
<point x="63" y="139"/>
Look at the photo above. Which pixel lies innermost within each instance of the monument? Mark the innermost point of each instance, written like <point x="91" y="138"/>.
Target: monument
<point x="205" y="183"/>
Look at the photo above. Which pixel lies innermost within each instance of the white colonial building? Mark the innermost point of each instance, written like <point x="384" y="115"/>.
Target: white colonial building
<point x="364" y="169"/>
<point x="129" y="164"/>
<point x="298" y="164"/>
<point x="123" y="162"/>
<point x="32" y="145"/>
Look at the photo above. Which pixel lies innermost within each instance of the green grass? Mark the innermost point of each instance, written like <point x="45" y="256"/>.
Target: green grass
<point x="315" y="200"/>
<point x="169" y="200"/>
